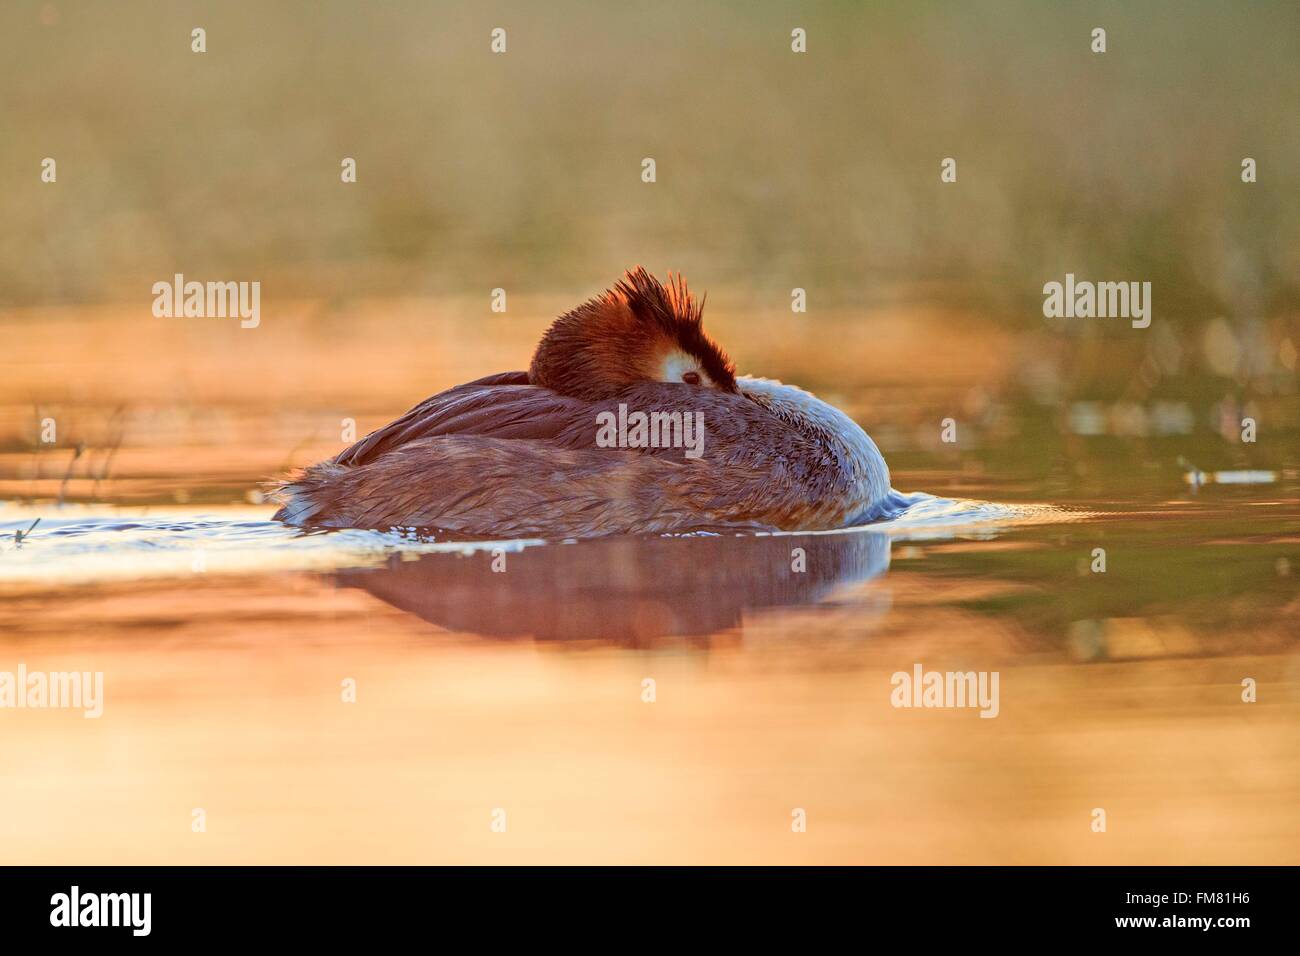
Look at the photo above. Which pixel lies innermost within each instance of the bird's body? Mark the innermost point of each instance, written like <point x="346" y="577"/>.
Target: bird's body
<point x="547" y="453"/>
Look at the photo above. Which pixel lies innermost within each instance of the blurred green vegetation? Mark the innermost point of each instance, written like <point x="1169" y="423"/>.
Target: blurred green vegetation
<point x="774" y="169"/>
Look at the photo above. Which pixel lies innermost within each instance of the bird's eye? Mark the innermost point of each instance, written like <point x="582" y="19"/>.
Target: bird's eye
<point x="691" y="378"/>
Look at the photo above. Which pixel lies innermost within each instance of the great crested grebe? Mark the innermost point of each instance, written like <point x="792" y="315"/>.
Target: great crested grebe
<point x="538" y="453"/>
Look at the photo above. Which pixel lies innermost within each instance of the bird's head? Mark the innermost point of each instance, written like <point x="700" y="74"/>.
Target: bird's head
<point x="637" y="332"/>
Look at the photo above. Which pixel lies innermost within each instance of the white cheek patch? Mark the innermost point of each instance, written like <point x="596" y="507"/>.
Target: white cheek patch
<point x="678" y="363"/>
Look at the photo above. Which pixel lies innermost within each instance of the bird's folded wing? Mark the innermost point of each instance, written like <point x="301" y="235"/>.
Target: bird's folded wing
<point x="500" y="406"/>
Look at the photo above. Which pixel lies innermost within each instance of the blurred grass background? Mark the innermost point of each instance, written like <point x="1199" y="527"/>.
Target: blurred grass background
<point x="774" y="169"/>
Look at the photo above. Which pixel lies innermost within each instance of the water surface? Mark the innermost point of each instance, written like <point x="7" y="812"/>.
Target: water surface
<point x="513" y="675"/>
<point x="226" y="638"/>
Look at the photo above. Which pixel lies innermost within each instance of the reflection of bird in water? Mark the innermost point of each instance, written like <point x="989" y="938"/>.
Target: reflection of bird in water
<point x="538" y="454"/>
<point x="628" y="591"/>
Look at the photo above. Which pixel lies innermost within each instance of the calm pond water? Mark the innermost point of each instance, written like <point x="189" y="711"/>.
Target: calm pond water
<point x="666" y="700"/>
<point x="226" y="639"/>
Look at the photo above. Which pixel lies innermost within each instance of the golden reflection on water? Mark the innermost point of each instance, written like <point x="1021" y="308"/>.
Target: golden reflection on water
<point x="224" y="693"/>
<point x="523" y="690"/>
